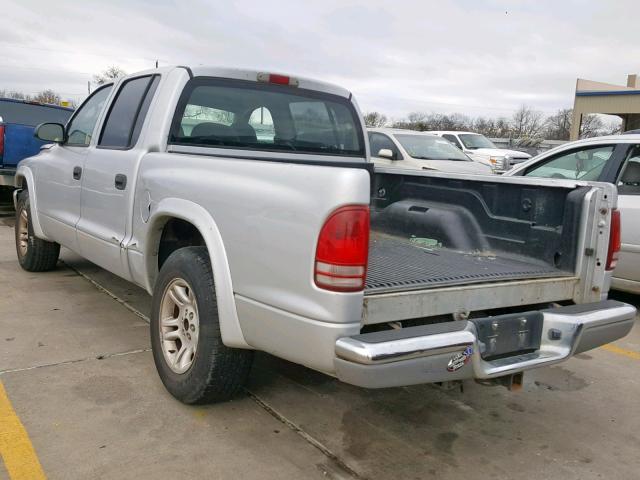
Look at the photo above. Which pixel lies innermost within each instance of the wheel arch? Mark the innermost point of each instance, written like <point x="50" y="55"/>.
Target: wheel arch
<point x="24" y="180"/>
<point x="172" y="209"/>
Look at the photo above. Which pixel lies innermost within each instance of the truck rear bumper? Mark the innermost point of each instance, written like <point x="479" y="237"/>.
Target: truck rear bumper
<point x="7" y="177"/>
<point x="460" y="350"/>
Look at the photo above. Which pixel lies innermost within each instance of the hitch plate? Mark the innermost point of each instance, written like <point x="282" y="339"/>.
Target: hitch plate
<point x="512" y="334"/>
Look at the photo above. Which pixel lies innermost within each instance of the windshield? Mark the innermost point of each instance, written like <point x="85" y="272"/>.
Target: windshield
<point x="430" y="147"/>
<point x="473" y="141"/>
<point x="248" y="115"/>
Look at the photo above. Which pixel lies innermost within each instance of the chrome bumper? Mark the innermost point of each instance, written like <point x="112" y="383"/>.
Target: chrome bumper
<point x="7" y="178"/>
<point x="452" y="350"/>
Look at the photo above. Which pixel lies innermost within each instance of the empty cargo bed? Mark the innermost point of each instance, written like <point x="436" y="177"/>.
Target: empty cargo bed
<point x="397" y="264"/>
<point x="434" y="231"/>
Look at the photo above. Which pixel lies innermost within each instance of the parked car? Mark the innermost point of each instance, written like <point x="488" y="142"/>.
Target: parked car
<point x="18" y="119"/>
<point x="295" y="244"/>
<point x="481" y="149"/>
<point x="614" y="159"/>
<point x="420" y="151"/>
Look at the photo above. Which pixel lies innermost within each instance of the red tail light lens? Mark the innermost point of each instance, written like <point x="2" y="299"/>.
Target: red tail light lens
<point x="343" y="250"/>
<point x="615" y="240"/>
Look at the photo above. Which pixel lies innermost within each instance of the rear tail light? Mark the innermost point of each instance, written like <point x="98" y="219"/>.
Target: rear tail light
<point x="1" y="141"/>
<point x="615" y="240"/>
<point x="277" y="79"/>
<point x="343" y="250"/>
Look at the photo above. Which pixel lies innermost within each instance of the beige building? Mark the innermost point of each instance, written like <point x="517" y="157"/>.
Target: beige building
<point x="598" y="97"/>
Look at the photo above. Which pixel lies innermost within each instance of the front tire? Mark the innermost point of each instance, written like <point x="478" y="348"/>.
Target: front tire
<point x="193" y="363"/>
<point x="34" y="254"/>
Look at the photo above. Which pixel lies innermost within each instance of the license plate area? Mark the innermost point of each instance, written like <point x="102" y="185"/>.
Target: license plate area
<point x="506" y="335"/>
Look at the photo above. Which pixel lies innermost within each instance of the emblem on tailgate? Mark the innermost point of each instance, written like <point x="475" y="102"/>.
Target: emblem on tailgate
<point x="459" y="360"/>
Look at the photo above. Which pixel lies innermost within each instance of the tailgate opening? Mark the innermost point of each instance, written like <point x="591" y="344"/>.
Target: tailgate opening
<point x="429" y="232"/>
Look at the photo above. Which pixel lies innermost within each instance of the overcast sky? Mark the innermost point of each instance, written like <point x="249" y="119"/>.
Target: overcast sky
<point x="469" y="56"/>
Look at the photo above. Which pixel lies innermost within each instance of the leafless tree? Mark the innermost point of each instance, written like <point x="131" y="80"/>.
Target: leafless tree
<point x="591" y="126"/>
<point x="375" y="119"/>
<point x="47" y="96"/>
<point x="558" y="125"/>
<point x="527" y="122"/>
<point x="111" y="73"/>
<point x="14" y="95"/>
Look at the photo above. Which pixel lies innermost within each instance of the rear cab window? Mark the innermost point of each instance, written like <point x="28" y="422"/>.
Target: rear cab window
<point x="32" y="114"/>
<point x="238" y="114"/>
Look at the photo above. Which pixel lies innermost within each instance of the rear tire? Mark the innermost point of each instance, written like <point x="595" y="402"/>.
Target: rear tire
<point x="193" y="363"/>
<point x="34" y="254"/>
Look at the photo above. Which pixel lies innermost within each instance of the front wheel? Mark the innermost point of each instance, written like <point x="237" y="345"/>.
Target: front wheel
<point x="34" y="254"/>
<point x="193" y="363"/>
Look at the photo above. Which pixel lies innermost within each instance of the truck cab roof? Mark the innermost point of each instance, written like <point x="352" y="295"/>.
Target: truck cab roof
<point x="266" y="76"/>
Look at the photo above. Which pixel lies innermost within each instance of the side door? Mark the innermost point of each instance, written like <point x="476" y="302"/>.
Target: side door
<point x="628" y="182"/>
<point x="109" y="176"/>
<point x="380" y="141"/>
<point x="58" y="174"/>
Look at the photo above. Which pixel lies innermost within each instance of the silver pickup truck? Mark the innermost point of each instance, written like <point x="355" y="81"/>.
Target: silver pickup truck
<point x="246" y="204"/>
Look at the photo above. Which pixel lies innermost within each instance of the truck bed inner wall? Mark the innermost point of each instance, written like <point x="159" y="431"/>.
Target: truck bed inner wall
<point x="488" y="231"/>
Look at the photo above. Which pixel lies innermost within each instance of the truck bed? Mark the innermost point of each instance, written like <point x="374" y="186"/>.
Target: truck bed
<point x="434" y="231"/>
<point x="396" y="264"/>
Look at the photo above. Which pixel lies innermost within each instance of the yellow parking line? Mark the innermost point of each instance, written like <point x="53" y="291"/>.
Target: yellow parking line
<point x="610" y="347"/>
<point x="16" y="450"/>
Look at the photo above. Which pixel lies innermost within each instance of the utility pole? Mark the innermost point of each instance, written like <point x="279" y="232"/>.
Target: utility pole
<point x="89" y="87"/>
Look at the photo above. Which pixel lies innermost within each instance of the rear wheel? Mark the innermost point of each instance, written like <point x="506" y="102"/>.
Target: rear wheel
<point x="193" y="363"/>
<point x="34" y="254"/>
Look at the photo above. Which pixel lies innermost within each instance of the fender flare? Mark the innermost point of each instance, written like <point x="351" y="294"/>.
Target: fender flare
<point x="25" y="174"/>
<point x="196" y="215"/>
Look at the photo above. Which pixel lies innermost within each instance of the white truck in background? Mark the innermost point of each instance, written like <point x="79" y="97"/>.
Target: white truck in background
<point x="290" y="241"/>
<point x="481" y="149"/>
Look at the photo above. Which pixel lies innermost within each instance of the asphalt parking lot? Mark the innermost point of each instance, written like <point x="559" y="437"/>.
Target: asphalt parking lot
<point x="81" y="399"/>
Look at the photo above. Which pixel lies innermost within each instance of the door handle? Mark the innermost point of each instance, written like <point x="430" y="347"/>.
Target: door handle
<point x="121" y="181"/>
<point x="77" y="173"/>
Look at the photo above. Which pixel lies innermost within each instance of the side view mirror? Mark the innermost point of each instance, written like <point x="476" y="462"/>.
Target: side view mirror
<point x="386" y="153"/>
<point x="50" y="132"/>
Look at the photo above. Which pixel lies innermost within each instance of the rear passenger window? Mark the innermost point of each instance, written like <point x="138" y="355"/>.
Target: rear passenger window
<point x="126" y="115"/>
<point x="256" y="116"/>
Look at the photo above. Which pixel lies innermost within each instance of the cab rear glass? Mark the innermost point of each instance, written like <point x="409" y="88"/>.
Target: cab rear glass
<point x="32" y="114"/>
<point x="238" y="114"/>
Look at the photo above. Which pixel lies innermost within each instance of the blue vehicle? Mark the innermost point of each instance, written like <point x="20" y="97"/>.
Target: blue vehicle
<point x="18" y="119"/>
